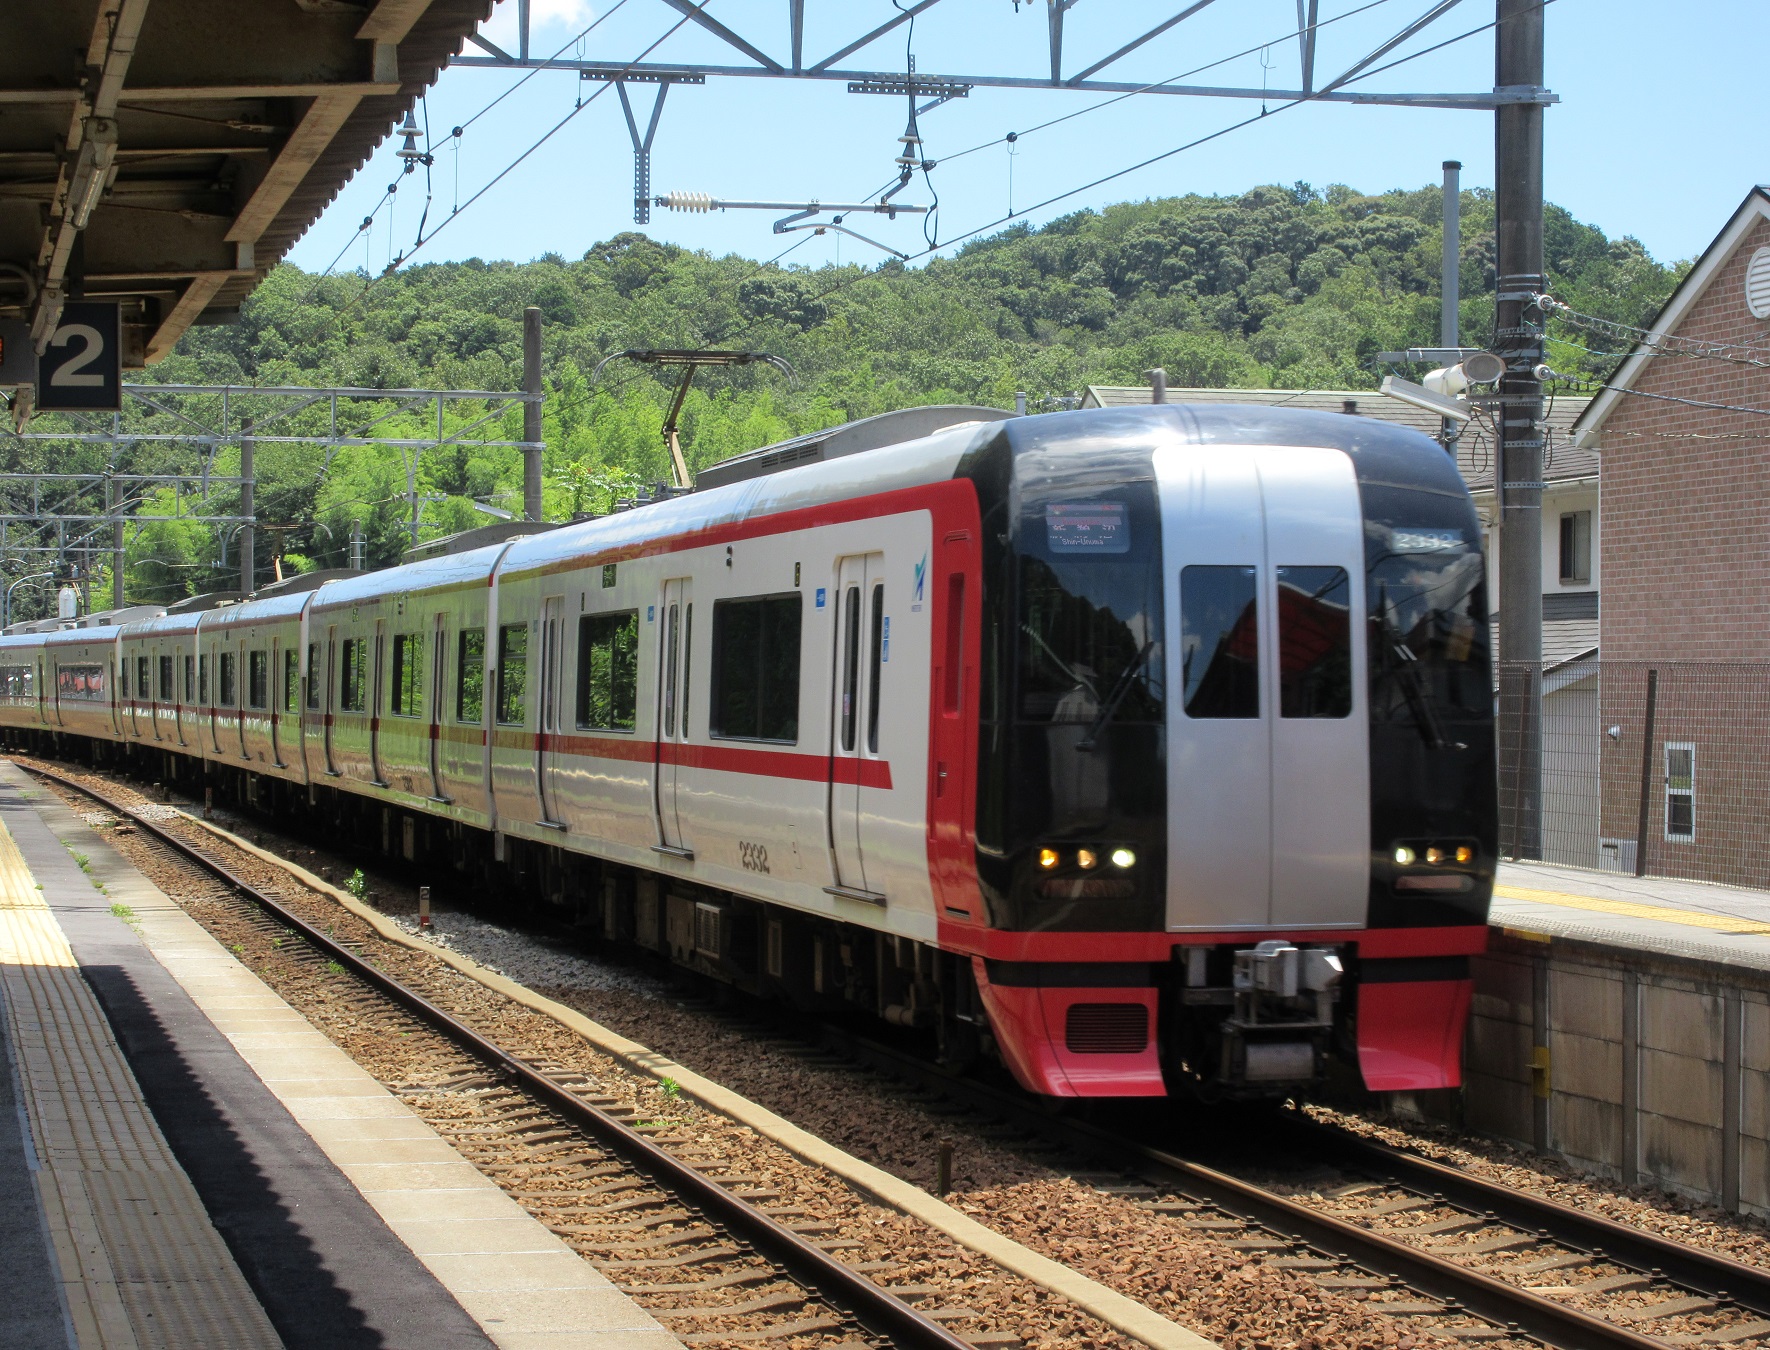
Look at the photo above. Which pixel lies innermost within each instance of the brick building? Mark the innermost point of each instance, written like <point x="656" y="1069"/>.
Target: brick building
<point x="1683" y="431"/>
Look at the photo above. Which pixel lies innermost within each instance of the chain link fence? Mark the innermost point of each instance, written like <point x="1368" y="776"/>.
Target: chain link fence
<point x="1652" y="768"/>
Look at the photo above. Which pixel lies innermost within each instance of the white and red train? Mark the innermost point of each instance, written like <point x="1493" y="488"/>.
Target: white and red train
<point x="1149" y="749"/>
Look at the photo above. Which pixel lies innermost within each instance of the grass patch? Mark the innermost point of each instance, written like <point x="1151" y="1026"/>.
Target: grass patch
<point x="123" y="912"/>
<point x="334" y="968"/>
<point x="357" y="884"/>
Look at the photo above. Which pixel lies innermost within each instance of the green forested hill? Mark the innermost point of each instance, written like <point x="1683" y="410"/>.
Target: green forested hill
<point x="1280" y="287"/>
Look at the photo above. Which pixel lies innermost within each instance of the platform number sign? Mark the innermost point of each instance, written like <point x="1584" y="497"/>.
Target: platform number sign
<point x="82" y="369"/>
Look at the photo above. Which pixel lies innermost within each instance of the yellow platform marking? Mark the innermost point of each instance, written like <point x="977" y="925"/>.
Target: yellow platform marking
<point x="1629" y="909"/>
<point x="141" y="1266"/>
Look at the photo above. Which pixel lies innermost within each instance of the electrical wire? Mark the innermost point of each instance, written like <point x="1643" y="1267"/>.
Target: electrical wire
<point x="1663" y="344"/>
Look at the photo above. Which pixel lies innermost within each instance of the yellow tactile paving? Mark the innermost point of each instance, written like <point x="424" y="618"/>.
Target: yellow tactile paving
<point x="1692" y="918"/>
<point x="141" y="1265"/>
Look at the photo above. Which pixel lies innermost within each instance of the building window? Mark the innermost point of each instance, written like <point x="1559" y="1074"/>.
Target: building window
<point x="608" y="671"/>
<point x="756" y="669"/>
<point x="1314" y="642"/>
<point x="513" y="670"/>
<point x="258" y="679"/>
<point x="1681" y="792"/>
<point x="1576" y="547"/>
<point x="408" y="674"/>
<point x="470" y="676"/>
<point x="353" y="690"/>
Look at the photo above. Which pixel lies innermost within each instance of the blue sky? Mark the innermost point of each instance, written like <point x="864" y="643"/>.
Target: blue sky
<point x="1660" y="132"/>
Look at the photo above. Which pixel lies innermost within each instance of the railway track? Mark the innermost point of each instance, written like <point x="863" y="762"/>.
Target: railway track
<point x="690" y="1236"/>
<point x="1447" y="1254"/>
<point x="1456" y="1254"/>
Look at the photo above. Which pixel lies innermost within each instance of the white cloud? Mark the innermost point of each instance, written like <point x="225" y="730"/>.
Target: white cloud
<point x="558" y="19"/>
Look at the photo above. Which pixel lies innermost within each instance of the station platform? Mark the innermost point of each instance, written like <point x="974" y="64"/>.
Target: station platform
<point x="1695" y="920"/>
<point x="186" y="1162"/>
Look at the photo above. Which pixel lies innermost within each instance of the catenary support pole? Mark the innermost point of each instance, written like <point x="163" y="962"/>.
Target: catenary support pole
<point x="1518" y="231"/>
<point x="531" y="413"/>
<point x="248" y="508"/>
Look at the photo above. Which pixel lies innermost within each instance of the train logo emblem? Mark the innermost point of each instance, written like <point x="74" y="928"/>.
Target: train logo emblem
<point x="921" y="585"/>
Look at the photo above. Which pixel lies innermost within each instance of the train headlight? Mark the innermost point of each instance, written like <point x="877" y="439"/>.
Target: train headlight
<point x="1048" y="858"/>
<point x="1087" y="858"/>
<point x="1123" y="857"/>
<point x="1465" y="854"/>
<point x="1434" y="856"/>
<point x="1404" y="856"/>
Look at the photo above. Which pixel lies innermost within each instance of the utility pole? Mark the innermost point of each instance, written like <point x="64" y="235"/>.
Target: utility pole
<point x="1518" y="238"/>
<point x="248" y="506"/>
<point x="531" y="413"/>
<point x="1450" y="286"/>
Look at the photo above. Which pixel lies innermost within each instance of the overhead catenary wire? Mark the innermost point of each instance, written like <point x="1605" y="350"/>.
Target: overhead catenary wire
<point x="848" y="281"/>
<point x="1665" y="344"/>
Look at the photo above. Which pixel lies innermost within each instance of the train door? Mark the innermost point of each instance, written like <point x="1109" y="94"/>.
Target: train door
<point x="672" y="734"/>
<point x="548" y="720"/>
<point x="329" y="715"/>
<point x="439" y="666"/>
<point x="854" y="725"/>
<point x="376" y="695"/>
<point x="1320" y="731"/>
<point x="1220" y="703"/>
<point x="276" y="695"/>
<point x="187" y="691"/>
<point x="42" y="695"/>
<point x="242" y="694"/>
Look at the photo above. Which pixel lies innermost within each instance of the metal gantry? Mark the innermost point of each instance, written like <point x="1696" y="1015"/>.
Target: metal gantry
<point x="199" y="421"/>
<point x="1097" y="27"/>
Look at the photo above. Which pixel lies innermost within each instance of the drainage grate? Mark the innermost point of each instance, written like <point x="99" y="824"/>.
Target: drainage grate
<point x="1107" y="1028"/>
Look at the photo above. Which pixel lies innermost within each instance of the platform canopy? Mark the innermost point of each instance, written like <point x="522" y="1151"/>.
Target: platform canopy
<point x="166" y="154"/>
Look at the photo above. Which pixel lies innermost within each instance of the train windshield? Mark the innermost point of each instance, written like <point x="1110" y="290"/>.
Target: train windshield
<point x="1087" y="594"/>
<point x="1428" y="610"/>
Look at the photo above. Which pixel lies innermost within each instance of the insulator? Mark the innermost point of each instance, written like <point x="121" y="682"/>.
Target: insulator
<point x="910" y="139"/>
<point x="409" y="151"/>
<point x="698" y="202"/>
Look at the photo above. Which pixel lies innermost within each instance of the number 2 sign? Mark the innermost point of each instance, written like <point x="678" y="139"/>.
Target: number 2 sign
<point x="81" y="369"/>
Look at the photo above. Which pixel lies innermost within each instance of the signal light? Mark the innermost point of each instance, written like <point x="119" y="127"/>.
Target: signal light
<point x="1047" y="858"/>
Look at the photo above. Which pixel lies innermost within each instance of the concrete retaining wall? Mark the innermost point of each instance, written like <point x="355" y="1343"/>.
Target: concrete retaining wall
<point x="1635" y="1065"/>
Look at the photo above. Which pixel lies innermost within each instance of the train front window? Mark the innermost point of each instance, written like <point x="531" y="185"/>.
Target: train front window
<point x="1220" y="641"/>
<point x="1428" y="611"/>
<point x="1086" y="639"/>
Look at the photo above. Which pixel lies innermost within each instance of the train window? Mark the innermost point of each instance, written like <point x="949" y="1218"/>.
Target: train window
<point x="687" y="651"/>
<point x="123" y="679"/>
<point x="1219" y="642"/>
<point x="879" y="640"/>
<point x="756" y="668"/>
<point x="83" y="683"/>
<point x="672" y="633"/>
<point x="470" y="676"/>
<point x="258" y="679"/>
<point x="291" y="679"/>
<point x="408" y="674"/>
<point x="167" y="693"/>
<point x="353" y="681"/>
<point x="1314" y="642"/>
<point x="850" y="664"/>
<point x="144" y="686"/>
<point x="225" y="681"/>
<point x="513" y="672"/>
<point x="15" y="681"/>
<point x="203" y="680"/>
<point x="608" y="671"/>
<point x="313" y="675"/>
<point x="190" y="684"/>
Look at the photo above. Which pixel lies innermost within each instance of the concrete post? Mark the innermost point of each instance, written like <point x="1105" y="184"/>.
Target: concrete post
<point x="248" y="508"/>
<point x="531" y="413"/>
<point x="1518" y="231"/>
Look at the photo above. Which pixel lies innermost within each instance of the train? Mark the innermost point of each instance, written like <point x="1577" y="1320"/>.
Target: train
<point x="1148" y="751"/>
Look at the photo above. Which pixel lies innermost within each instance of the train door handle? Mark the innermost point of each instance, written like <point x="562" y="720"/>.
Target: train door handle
<point x="940" y="778"/>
